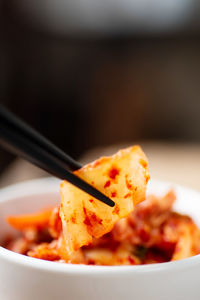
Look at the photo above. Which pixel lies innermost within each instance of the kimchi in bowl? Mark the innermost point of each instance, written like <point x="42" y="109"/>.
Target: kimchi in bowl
<point x="23" y="277"/>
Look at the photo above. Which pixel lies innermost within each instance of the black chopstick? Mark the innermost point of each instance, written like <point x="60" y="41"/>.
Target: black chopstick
<point x="40" y="152"/>
<point x="11" y="120"/>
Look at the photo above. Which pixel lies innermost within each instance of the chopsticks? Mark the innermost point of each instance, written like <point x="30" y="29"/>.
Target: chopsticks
<point x="21" y="139"/>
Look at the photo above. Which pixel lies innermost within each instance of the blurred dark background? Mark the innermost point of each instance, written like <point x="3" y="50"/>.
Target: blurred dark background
<point x="98" y="81"/>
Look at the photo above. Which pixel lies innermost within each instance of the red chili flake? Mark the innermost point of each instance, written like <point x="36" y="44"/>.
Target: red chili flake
<point x="116" y="209"/>
<point x="107" y="184"/>
<point x="73" y="219"/>
<point x="90" y="218"/>
<point x="113" y="172"/>
<point x="87" y="221"/>
<point x="114" y="194"/>
<point x="135" y="188"/>
<point x="143" y="163"/>
<point x="95" y="219"/>
<point x="96" y="163"/>
<point x="128" y="183"/>
<point x="92" y="182"/>
<point x="131" y="260"/>
<point x="91" y="200"/>
<point x="147" y="178"/>
<point x="127" y="195"/>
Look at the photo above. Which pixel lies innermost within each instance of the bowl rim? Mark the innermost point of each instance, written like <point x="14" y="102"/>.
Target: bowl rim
<point x="29" y="188"/>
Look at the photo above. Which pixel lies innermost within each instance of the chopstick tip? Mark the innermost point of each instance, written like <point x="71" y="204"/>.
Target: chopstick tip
<point x="107" y="201"/>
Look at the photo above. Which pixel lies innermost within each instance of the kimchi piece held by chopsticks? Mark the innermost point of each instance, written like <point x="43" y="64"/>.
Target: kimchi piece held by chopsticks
<point x="123" y="177"/>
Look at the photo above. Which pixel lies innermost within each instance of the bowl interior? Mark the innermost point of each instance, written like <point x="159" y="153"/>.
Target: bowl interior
<point x="25" y="198"/>
<point x="43" y="193"/>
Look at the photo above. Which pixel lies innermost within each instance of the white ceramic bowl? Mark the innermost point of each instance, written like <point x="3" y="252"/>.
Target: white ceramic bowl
<point x="25" y="278"/>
